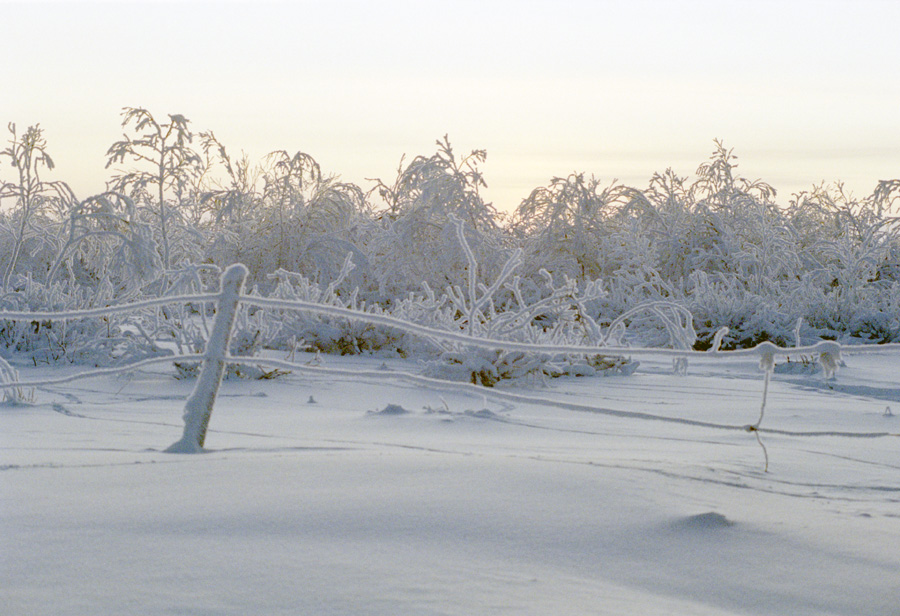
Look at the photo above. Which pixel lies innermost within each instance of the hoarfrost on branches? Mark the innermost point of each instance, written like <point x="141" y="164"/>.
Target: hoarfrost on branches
<point x="709" y="262"/>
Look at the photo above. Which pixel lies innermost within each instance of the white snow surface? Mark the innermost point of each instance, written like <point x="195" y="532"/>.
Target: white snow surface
<point x="337" y="494"/>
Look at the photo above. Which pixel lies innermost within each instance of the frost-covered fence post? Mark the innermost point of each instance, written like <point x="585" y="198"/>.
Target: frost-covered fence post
<point x="766" y="352"/>
<point x="199" y="405"/>
<point x="830" y="358"/>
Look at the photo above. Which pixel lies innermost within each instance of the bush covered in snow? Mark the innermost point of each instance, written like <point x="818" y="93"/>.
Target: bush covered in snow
<point x="578" y="262"/>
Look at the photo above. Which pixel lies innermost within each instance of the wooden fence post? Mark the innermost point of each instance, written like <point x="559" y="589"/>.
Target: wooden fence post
<point x="199" y="405"/>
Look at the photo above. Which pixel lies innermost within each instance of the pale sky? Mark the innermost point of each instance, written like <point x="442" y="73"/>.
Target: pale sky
<point x="804" y="91"/>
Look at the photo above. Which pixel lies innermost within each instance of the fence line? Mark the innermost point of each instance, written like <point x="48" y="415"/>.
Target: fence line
<point x="507" y="396"/>
<point x="98" y="372"/>
<point x="825" y="346"/>
<point x="200" y="403"/>
<point x="102" y="312"/>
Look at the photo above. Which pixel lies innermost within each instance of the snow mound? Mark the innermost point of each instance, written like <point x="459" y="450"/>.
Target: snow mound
<point x="391" y="409"/>
<point x="703" y="522"/>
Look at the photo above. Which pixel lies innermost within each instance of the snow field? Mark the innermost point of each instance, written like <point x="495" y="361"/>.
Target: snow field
<point x="311" y="499"/>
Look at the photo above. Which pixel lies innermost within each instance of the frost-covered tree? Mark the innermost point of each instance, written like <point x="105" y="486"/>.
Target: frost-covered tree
<point x="170" y="166"/>
<point x="288" y="180"/>
<point x="230" y="205"/>
<point x="440" y="186"/>
<point x="415" y="241"/>
<point x="231" y="201"/>
<point x="283" y="215"/>
<point x="716" y="245"/>
<point x="33" y="198"/>
<point x="563" y="224"/>
<point x="308" y="216"/>
<point x="849" y="282"/>
<point x="719" y="186"/>
<point x="103" y="237"/>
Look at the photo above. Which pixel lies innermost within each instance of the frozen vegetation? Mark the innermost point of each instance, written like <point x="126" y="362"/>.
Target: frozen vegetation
<point x="575" y="257"/>
<point x="613" y="400"/>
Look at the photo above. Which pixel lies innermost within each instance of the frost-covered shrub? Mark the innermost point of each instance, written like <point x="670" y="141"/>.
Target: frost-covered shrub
<point x="874" y="317"/>
<point x="290" y="330"/>
<point x="27" y="228"/>
<point x="299" y="221"/>
<point x="98" y="341"/>
<point x="162" y="189"/>
<point x="414" y="241"/>
<point x="717" y="245"/>
<point x="104" y="238"/>
<point x="720" y="247"/>
<point x="13" y="394"/>
<point x="36" y="251"/>
<point x="305" y="216"/>
<point x="558" y="317"/>
<point x="847" y="285"/>
<point x="563" y="225"/>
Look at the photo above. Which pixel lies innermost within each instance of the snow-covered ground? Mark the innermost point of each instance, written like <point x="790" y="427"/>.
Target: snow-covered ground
<point x="360" y="493"/>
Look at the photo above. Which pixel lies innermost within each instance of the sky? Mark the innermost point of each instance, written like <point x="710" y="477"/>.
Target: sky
<point x="804" y="91"/>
